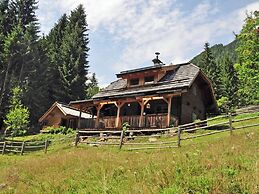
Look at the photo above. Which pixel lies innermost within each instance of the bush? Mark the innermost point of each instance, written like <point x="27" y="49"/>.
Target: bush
<point x="58" y="130"/>
<point x="17" y="119"/>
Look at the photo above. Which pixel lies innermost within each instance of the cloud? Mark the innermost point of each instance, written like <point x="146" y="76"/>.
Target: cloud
<point x="146" y="26"/>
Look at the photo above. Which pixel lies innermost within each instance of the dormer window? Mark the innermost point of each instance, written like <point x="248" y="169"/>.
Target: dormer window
<point x="134" y="82"/>
<point x="149" y="79"/>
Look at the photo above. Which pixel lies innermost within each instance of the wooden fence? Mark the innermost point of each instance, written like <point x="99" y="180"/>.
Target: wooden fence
<point x="175" y="135"/>
<point x="20" y="147"/>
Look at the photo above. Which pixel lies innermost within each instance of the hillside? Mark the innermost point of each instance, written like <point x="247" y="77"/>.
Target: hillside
<point x="218" y="51"/>
<point x="220" y="163"/>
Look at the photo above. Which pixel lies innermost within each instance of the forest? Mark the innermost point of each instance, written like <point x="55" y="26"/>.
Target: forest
<point x="37" y="70"/>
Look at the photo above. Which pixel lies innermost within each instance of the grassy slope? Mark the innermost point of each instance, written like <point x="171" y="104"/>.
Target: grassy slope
<point x="217" y="164"/>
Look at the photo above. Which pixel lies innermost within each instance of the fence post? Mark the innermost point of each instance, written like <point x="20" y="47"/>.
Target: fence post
<point x="121" y="139"/>
<point x="179" y="137"/>
<point x="4" y="146"/>
<point x="46" y="146"/>
<point x="23" y="146"/>
<point x="230" y="123"/>
<point x="77" y="139"/>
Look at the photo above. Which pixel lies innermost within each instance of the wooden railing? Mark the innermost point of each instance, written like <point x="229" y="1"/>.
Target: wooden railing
<point x="149" y="121"/>
<point x="155" y="121"/>
<point x="133" y="121"/>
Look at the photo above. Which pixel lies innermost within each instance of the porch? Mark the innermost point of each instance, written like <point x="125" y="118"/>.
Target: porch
<point x="156" y="112"/>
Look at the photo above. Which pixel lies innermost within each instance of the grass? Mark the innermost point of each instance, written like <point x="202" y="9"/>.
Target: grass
<point x="220" y="163"/>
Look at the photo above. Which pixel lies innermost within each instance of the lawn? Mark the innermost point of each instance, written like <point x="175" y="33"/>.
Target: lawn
<point x="221" y="163"/>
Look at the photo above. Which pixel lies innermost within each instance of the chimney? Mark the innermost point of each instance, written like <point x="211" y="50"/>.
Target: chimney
<point x="157" y="61"/>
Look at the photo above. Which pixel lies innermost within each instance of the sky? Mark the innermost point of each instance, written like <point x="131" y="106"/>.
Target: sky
<point x="125" y="34"/>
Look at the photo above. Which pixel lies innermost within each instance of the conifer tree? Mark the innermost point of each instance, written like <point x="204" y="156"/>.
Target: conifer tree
<point x="248" y="65"/>
<point x="229" y="82"/>
<point x="211" y="69"/>
<point x="74" y="49"/>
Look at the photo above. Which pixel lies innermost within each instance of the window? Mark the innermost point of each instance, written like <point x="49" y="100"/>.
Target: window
<point x="149" y="79"/>
<point x="134" y="82"/>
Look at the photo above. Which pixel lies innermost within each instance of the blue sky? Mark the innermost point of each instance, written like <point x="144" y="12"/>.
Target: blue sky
<point x="125" y="34"/>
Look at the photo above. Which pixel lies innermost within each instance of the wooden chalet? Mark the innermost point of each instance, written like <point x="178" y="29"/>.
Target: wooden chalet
<point x="64" y="115"/>
<point x="157" y="96"/>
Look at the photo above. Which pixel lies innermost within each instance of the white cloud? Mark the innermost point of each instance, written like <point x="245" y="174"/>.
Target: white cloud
<point x="146" y="26"/>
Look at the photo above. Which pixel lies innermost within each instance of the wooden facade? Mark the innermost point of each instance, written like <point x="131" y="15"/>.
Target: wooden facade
<point x="158" y="96"/>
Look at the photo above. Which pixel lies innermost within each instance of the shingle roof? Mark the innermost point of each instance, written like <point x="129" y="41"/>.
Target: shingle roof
<point x="66" y="110"/>
<point x="181" y="78"/>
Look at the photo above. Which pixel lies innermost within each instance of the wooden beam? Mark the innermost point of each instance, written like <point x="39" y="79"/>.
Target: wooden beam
<point x="99" y="107"/>
<point x="119" y="105"/>
<point x="142" y="105"/>
<point x="169" y="111"/>
<point x="79" y="119"/>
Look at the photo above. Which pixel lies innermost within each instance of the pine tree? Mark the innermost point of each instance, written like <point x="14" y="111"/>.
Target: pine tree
<point x="53" y="43"/>
<point x="248" y="65"/>
<point x="93" y="87"/>
<point x="211" y="69"/>
<point x="229" y="82"/>
<point x="74" y="49"/>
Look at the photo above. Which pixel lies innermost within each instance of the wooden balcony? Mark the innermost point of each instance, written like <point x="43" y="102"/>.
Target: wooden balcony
<point x="149" y="121"/>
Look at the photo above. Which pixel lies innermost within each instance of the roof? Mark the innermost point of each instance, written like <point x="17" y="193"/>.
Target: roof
<point x="139" y="70"/>
<point x="174" y="80"/>
<point x="66" y="110"/>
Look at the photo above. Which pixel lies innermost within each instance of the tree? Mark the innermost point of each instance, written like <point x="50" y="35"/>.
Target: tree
<point x="248" y="66"/>
<point x="74" y="68"/>
<point x="229" y="83"/>
<point x="93" y="87"/>
<point x="17" y="119"/>
<point x="53" y="43"/>
<point x="211" y="69"/>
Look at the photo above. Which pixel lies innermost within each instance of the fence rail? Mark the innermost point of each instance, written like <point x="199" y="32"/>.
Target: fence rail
<point x="208" y="126"/>
<point x="22" y="147"/>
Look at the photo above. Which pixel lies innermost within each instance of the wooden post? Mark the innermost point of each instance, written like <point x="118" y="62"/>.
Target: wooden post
<point x="99" y="107"/>
<point x="118" y="116"/>
<point x="23" y="146"/>
<point x="169" y="104"/>
<point x="230" y="123"/>
<point x="77" y="139"/>
<point x="141" y="113"/>
<point x="179" y="137"/>
<point x="46" y="146"/>
<point x="121" y="138"/>
<point x="79" y="119"/>
<point x="4" y="146"/>
<point x="119" y="105"/>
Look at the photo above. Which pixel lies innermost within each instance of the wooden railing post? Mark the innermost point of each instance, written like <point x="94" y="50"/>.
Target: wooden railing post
<point x="77" y="139"/>
<point x="22" y="149"/>
<point x="179" y="137"/>
<point x="230" y="123"/>
<point x="4" y="146"/>
<point x="46" y="146"/>
<point x="121" y="138"/>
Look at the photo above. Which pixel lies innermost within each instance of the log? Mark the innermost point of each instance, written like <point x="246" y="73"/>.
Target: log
<point x="245" y="119"/>
<point x="121" y="138"/>
<point x="205" y="134"/>
<point x="151" y="143"/>
<point x="4" y="147"/>
<point x="23" y="146"/>
<point x="145" y="148"/>
<point x="246" y="126"/>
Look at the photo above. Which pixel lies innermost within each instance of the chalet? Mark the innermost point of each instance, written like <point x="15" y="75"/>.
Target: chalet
<point x="63" y="115"/>
<point x="157" y="96"/>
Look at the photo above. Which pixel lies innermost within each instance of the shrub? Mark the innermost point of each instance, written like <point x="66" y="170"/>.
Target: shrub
<point x="58" y="130"/>
<point x="17" y="119"/>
